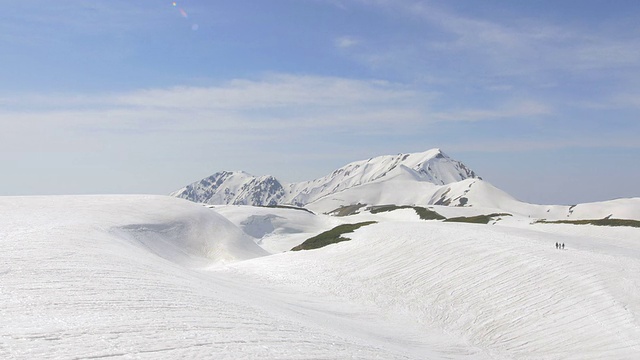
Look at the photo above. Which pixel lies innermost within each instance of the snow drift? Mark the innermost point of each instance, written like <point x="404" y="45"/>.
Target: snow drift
<point x="174" y="229"/>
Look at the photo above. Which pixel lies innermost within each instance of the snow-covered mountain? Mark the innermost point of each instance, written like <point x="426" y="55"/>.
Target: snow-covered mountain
<point x="429" y="178"/>
<point x="234" y="188"/>
<point x="431" y="167"/>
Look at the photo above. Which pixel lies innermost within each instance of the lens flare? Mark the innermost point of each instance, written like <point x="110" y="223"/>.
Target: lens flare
<point x="183" y="13"/>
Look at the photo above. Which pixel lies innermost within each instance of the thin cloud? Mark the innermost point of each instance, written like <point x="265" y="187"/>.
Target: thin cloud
<point x="281" y="105"/>
<point x="510" y="47"/>
<point x="345" y="42"/>
<point x="614" y="102"/>
<point x="295" y="105"/>
<point x="525" y="109"/>
<point x="527" y="145"/>
<point x="275" y="91"/>
<point x="627" y="101"/>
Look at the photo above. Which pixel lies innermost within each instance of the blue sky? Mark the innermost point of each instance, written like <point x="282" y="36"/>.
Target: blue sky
<point x="541" y="98"/>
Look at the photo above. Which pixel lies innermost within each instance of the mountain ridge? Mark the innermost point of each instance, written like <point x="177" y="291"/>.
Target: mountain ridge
<point x="429" y="178"/>
<point x="240" y="188"/>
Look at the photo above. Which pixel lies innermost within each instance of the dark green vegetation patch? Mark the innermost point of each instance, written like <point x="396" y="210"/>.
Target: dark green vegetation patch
<point x="330" y="237"/>
<point x="479" y="219"/>
<point x="597" y="222"/>
<point x="424" y="213"/>
<point x="346" y="210"/>
<point x="289" y="207"/>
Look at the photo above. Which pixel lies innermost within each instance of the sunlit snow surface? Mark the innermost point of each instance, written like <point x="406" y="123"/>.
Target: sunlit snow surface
<point x="158" y="277"/>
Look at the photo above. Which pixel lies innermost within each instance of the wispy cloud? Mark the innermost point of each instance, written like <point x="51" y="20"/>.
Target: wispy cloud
<point x="277" y="105"/>
<point x="514" y="46"/>
<point x="527" y="145"/>
<point x="525" y="109"/>
<point x="275" y="91"/>
<point x="345" y="42"/>
<point x="618" y="101"/>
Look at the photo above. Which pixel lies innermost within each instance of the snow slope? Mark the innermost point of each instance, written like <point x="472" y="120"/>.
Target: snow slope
<point x="155" y="277"/>
<point x="506" y="291"/>
<point x="81" y="278"/>
<point x="170" y="228"/>
<point x="483" y="194"/>
<point x="474" y="193"/>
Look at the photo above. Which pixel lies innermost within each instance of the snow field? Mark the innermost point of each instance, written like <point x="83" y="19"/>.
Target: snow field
<point x="151" y="277"/>
<point x="507" y="292"/>
<point x="118" y="277"/>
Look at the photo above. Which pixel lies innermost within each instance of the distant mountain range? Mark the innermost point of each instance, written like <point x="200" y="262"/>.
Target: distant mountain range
<point x="240" y="188"/>
<point x="424" y="179"/>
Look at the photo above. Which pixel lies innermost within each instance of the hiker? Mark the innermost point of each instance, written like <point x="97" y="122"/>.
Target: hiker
<point x="557" y="246"/>
<point x="562" y="246"/>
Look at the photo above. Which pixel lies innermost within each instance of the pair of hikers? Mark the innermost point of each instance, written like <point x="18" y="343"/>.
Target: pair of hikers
<point x="560" y="246"/>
